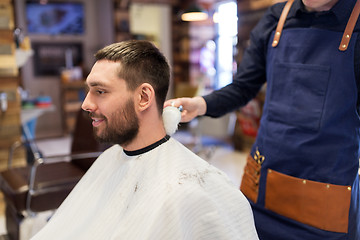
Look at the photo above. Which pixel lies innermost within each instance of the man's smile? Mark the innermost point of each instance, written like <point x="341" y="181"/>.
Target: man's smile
<point x="97" y="121"/>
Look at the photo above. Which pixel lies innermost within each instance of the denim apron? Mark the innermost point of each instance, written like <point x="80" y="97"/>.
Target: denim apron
<point x="309" y="137"/>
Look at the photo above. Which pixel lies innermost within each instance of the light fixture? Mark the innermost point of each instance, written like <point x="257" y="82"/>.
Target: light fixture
<point x="194" y="13"/>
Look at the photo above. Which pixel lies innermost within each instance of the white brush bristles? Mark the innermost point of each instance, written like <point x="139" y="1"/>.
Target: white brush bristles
<point x="171" y="118"/>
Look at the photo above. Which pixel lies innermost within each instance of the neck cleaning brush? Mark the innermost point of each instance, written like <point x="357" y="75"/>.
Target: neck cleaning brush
<point x="171" y="118"/>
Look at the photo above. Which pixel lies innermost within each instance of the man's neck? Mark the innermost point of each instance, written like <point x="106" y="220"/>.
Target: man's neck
<point x="149" y="133"/>
<point x="147" y="148"/>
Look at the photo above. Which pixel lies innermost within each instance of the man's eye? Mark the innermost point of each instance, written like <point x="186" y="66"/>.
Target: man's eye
<point x="100" y="92"/>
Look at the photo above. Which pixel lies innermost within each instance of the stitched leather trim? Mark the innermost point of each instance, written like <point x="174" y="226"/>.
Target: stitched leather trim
<point x="321" y="205"/>
<point x="250" y="181"/>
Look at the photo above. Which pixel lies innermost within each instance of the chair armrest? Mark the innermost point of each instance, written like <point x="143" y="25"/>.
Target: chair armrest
<point x="39" y="160"/>
<point x="12" y="149"/>
<point x="73" y="156"/>
<point x="32" y="143"/>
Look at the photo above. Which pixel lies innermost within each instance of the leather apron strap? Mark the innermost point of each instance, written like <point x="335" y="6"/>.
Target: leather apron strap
<point x="281" y="22"/>
<point x="350" y="27"/>
<point x="347" y="33"/>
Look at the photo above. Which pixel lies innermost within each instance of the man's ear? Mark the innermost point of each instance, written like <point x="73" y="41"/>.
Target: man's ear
<point x="146" y="96"/>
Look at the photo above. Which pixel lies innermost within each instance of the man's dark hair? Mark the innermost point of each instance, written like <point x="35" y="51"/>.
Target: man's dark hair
<point x="140" y="62"/>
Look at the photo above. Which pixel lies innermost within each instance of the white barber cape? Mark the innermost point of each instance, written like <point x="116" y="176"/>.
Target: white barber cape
<point x="161" y="193"/>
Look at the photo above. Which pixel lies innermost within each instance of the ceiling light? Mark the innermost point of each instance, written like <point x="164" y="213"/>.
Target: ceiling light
<point x="194" y="13"/>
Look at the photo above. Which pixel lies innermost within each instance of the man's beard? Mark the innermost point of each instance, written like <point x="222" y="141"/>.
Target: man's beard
<point x="122" y="129"/>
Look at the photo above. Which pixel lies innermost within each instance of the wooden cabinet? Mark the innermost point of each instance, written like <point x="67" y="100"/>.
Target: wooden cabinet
<point x="180" y="50"/>
<point x="72" y="94"/>
<point x="10" y="124"/>
<point x="8" y="65"/>
<point x="10" y="110"/>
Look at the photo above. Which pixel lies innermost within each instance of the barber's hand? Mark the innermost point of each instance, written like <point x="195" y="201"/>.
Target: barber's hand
<point x="192" y="107"/>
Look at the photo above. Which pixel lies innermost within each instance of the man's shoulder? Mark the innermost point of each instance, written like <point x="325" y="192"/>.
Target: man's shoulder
<point x="114" y="149"/>
<point x="189" y="169"/>
<point x="207" y="196"/>
<point x="205" y="181"/>
<point x="112" y="152"/>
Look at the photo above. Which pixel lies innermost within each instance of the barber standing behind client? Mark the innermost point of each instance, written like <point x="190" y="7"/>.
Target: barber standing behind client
<point x="302" y="173"/>
<point x="148" y="185"/>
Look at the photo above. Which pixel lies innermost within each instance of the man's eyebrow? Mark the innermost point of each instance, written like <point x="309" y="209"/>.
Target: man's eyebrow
<point x="94" y="84"/>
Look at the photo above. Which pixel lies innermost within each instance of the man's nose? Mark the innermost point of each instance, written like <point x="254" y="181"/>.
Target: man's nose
<point x="87" y="104"/>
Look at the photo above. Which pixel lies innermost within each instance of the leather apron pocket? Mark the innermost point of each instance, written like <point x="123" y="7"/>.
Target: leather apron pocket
<point x="250" y="181"/>
<point x="321" y="205"/>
